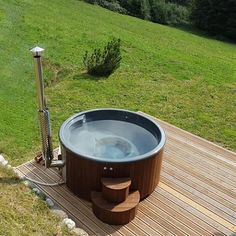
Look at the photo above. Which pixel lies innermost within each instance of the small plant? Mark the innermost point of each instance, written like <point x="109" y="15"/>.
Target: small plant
<point x="103" y="63"/>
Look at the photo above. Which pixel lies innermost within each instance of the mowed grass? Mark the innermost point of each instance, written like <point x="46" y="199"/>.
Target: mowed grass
<point x="182" y="78"/>
<point x="22" y="213"/>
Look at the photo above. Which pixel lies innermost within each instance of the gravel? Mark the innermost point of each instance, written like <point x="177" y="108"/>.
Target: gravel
<point x="60" y="213"/>
<point x="49" y="202"/>
<point x="3" y="161"/>
<point x="69" y="223"/>
<point x="29" y="184"/>
<point x="39" y="193"/>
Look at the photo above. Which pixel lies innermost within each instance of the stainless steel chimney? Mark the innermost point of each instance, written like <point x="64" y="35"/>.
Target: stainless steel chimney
<point x="43" y="113"/>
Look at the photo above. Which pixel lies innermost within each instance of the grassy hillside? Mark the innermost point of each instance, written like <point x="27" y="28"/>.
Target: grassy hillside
<point x="185" y="79"/>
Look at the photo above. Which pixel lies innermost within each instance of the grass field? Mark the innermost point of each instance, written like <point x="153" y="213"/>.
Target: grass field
<point x="182" y="78"/>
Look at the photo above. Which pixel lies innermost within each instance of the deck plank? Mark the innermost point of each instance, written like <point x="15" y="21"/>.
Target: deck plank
<point x="201" y="157"/>
<point x="201" y="186"/>
<point x="199" y="217"/>
<point x="196" y="195"/>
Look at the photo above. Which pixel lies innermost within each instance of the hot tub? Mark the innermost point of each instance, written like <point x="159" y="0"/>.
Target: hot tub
<point x="111" y="143"/>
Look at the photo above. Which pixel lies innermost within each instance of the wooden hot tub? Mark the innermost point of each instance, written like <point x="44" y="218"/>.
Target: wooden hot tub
<point x="111" y="143"/>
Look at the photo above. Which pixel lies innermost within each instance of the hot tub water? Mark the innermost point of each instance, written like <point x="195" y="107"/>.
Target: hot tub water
<point x="111" y="139"/>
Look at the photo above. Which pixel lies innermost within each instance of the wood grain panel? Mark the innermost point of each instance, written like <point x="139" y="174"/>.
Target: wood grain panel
<point x="84" y="175"/>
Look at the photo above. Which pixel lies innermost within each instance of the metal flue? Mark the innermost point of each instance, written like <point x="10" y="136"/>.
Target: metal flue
<point x="43" y="113"/>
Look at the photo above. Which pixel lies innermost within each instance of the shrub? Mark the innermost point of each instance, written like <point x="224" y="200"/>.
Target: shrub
<point x="187" y="3"/>
<point x="137" y="8"/>
<point x="172" y="12"/>
<point x="145" y="10"/>
<point x="112" y="5"/>
<point x="90" y="1"/>
<point x="169" y="13"/>
<point x="103" y="62"/>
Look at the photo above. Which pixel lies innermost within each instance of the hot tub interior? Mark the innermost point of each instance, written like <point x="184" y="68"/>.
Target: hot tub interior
<point x="110" y="135"/>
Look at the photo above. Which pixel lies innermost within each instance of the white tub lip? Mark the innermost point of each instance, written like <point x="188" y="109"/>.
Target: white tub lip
<point x="149" y="154"/>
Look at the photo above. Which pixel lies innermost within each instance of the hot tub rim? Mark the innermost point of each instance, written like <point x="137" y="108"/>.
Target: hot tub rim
<point x="147" y="155"/>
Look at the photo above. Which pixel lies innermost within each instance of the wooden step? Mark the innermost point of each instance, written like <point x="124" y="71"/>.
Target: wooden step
<point x="113" y="213"/>
<point x="115" y="190"/>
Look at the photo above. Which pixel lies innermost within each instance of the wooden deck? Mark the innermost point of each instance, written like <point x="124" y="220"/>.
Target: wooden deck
<point x="196" y="195"/>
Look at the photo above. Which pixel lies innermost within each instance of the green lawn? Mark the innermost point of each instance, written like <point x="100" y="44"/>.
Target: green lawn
<point x="22" y="213"/>
<point x="182" y="78"/>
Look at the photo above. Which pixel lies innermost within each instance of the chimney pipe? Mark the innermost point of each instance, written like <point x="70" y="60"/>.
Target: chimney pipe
<point x="43" y="113"/>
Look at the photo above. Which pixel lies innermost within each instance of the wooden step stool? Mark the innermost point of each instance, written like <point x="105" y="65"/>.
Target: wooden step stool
<point x="115" y="205"/>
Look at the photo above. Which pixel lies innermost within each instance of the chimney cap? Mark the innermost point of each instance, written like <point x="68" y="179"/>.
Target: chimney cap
<point x="37" y="51"/>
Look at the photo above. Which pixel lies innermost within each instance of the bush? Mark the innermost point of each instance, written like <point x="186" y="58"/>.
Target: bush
<point x="90" y="1"/>
<point x="145" y="10"/>
<point x="137" y="8"/>
<point x="169" y="13"/>
<point x="103" y="63"/>
<point x="112" y="5"/>
<point x="187" y="3"/>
